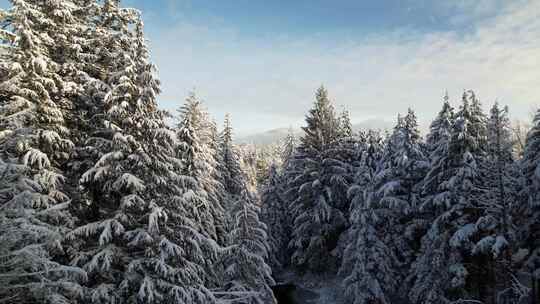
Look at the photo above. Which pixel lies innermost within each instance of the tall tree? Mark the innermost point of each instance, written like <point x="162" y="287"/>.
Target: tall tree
<point x="317" y="219"/>
<point x="439" y="130"/>
<point x="246" y="268"/>
<point x="233" y="177"/>
<point x="501" y="197"/>
<point x="199" y="167"/>
<point x="274" y="215"/>
<point x="139" y="244"/>
<point x="35" y="145"/>
<point x="397" y="183"/>
<point x="368" y="263"/>
<point x="455" y="189"/>
<point x="531" y="170"/>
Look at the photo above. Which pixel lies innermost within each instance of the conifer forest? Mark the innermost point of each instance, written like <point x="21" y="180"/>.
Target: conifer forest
<point x="106" y="198"/>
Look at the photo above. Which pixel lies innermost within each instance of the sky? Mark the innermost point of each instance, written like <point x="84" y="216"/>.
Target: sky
<point x="261" y="61"/>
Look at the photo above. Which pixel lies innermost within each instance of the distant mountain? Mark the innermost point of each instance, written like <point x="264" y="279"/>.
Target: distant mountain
<point x="274" y="135"/>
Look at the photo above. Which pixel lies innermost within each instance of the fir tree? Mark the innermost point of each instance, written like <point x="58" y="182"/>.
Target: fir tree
<point x="34" y="148"/>
<point x="288" y="148"/>
<point x="531" y="172"/>
<point x="456" y="190"/>
<point x="345" y="125"/>
<point x="439" y="133"/>
<point x="199" y="166"/>
<point x="404" y="165"/>
<point x="246" y="269"/>
<point x="368" y="264"/>
<point x="140" y="244"/>
<point x="318" y="221"/>
<point x="501" y="197"/>
<point x="274" y="215"/>
<point x="232" y="174"/>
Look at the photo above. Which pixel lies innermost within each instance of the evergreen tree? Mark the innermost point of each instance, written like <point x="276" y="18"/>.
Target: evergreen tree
<point x="234" y="181"/>
<point x="34" y="148"/>
<point x="288" y="148"/>
<point x="274" y="215"/>
<point x="199" y="166"/>
<point x="345" y="125"/>
<point x="368" y="264"/>
<point x="31" y="243"/>
<point x="440" y="272"/>
<point x="246" y="268"/>
<point x="140" y="243"/>
<point x="404" y="166"/>
<point x="317" y="219"/>
<point x="501" y="181"/>
<point x="531" y="172"/>
<point x="439" y="133"/>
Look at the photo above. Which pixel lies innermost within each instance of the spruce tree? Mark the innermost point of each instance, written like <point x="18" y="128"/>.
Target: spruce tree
<point x="317" y="219"/>
<point x="439" y="130"/>
<point x="274" y="215"/>
<point x="246" y="268"/>
<point x="288" y="148"/>
<point x="498" y="204"/>
<point x="198" y="167"/>
<point x="397" y="183"/>
<point x="440" y="271"/>
<point x="35" y="145"/>
<point x="233" y="176"/>
<point x="345" y="125"/>
<point x="140" y="243"/>
<point x="368" y="264"/>
<point x="531" y="172"/>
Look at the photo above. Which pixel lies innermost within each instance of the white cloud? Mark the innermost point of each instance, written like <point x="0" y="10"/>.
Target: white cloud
<point x="269" y="82"/>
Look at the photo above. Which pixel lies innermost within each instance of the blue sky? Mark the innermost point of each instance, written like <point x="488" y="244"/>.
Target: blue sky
<point x="302" y="17"/>
<point x="262" y="60"/>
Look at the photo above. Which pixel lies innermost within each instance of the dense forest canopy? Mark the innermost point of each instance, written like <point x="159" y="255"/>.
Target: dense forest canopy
<point x="103" y="201"/>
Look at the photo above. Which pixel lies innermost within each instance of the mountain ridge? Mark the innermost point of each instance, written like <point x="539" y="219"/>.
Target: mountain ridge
<point x="274" y="135"/>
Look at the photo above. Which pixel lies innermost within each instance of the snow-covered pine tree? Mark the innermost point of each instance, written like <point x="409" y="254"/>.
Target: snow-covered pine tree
<point x="345" y="125"/>
<point x="274" y="215"/>
<point x="288" y="172"/>
<point x="437" y="141"/>
<point x="372" y="278"/>
<point x="248" y="160"/>
<point x="439" y="130"/>
<point x="140" y="244"/>
<point x="453" y="190"/>
<point x="34" y="148"/>
<point x="368" y="264"/>
<point x="199" y="166"/>
<point x="404" y="166"/>
<point x="339" y="163"/>
<point x="317" y="219"/>
<point x="247" y="275"/>
<point x="234" y="179"/>
<point x="501" y="198"/>
<point x="531" y="171"/>
<point x="267" y="156"/>
<point x="215" y="186"/>
<point x="478" y="127"/>
<point x="31" y="239"/>
<point x="288" y="148"/>
<point x="233" y="176"/>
